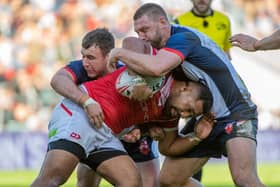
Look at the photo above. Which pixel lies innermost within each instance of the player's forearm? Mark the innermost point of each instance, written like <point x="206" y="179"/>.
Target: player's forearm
<point x="145" y="64"/>
<point x="270" y="42"/>
<point x="65" y="86"/>
<point x="175" y="146"/>
<point x="140" y="63"/>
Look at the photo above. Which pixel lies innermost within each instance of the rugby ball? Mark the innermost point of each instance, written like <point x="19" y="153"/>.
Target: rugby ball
<point x="126" y="82"/>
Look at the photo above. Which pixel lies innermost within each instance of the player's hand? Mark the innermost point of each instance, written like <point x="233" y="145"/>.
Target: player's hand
<point x="95" y="114"/>
<point x="113" y="59"/>
<point x="243" y="41"/>
<point x="141" y="92"/>
<point x="132" y="136"/>
<point x="157" y="133"/>
<point x="204" y="126"/>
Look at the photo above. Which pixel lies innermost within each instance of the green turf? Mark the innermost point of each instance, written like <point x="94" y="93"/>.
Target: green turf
<point x="218" y="175"/>
<point x="215" y="175"/>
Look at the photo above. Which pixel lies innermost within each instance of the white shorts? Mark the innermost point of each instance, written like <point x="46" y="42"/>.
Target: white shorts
<point x="70" y="122"/>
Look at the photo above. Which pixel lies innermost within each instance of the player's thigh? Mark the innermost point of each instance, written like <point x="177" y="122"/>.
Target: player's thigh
<point x="118" y="169"/>
<point x="241" y="153"/>
<point x="87" y="177"/>
<point x="182" y="168"/>
<point x="58" y="164"/>
<point x="149" y="171"/>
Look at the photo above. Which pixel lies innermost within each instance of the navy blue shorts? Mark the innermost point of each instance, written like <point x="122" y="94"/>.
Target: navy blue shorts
<point x="214" y="145"/>
<point x="94" y="159"/>
<point x="143" y="150"/>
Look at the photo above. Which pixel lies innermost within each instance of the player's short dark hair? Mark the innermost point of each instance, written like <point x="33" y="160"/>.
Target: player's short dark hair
<point x="151" y="10"/>
<point x="100" y="37"/>
<point x="178" y="74"/>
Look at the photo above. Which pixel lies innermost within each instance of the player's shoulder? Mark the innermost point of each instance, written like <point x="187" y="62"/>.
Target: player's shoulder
<point x="76" y="66"/>
<point x="182" y="33"/>
<point x="76" y="62"/>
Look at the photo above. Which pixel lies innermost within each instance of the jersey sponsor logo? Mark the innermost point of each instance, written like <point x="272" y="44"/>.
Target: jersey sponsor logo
<point x="229" y="128"/>
<point x="52" y="133"/>
<point x="75" y="135"/>
<point x="144" y="146"/>
<point x="221" y="26"/>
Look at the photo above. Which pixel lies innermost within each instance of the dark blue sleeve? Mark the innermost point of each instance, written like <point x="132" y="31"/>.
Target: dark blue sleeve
<point x="78" y="71"/>
<point x="196" y="52"/>
<point x="184" y="42"/>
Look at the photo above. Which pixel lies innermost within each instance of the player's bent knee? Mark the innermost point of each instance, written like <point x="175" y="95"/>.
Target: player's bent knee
<point x="131" y="180"/>
<point x="243" y="177"/>
<point x="239" y="181"/>
<point x="58" y="180"/>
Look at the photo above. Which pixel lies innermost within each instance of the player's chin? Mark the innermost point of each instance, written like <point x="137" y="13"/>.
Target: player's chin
<point x="92" y="74"/>
<point x="203" y="8"/>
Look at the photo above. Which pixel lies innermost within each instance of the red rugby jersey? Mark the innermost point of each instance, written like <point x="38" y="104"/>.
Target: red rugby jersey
<point x="120" y="112"/>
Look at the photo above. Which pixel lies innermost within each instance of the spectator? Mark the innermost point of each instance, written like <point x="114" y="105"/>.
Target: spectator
<point x="211" y="22"/>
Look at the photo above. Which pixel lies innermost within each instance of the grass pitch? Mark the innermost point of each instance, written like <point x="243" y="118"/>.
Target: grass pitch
<point x="214" y="175"/>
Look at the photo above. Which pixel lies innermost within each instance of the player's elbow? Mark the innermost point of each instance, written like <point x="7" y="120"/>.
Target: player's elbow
<point x="160" y="68"/>
<point x="163" y="151"/>
<point x="157" y="72"/>
<point x="59" y="78"/>
<point x="54" y="81"/>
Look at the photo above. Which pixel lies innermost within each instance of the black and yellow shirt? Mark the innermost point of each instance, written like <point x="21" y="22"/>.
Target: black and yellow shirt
<point x="216" y="26"/>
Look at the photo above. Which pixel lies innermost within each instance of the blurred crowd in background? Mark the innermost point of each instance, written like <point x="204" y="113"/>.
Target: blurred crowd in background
<point x="38" y="37"/>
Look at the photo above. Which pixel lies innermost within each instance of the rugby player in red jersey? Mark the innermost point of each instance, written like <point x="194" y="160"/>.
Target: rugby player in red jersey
<point x="72" y="139"/>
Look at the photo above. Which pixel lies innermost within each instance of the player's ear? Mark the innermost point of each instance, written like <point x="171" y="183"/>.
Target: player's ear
<point x="163" y="20"/>
<point x="106" y="57"/>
